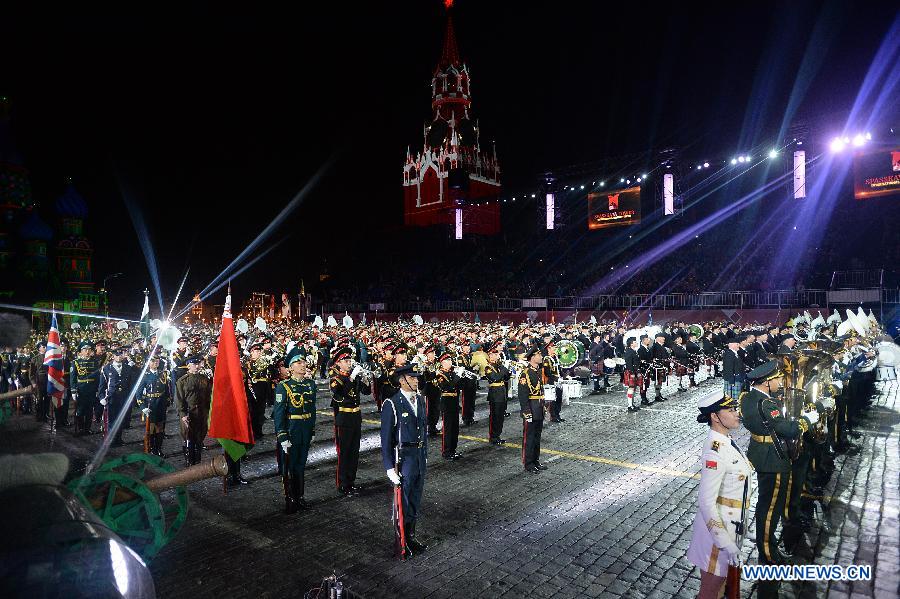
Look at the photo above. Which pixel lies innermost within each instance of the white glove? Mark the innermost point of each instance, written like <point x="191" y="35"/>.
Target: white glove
<point x="285" y="445"/>
<point x="146" y="412"/>
<point x="528" y="417"/>
<point x="812" y="416"/>
<point x="838" y="383"/>
<point x="102" y="402"/>
<point x="392" y="474"/>
<point x="357" y="370"/>
<point x="459" y="370"/>
<point x="828" y="402"/>
<point x="733" y="554"/>
<point x="75" y="395"/>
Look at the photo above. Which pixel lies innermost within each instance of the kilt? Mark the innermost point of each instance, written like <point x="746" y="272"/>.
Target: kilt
<point x="660" y="374"/>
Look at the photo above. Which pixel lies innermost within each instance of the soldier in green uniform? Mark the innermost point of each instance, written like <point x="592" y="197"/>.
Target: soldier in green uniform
<point x="763" y="415"/>
<point x="531" y="401"/>
<point x="295" y="426"/>
<point x="346" y="386"/>
<point x="84" y="378"/>
<point x="193" y="396"/>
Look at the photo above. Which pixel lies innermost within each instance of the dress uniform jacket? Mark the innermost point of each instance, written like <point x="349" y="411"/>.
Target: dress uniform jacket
<point x="734" y="373"/>
<point x="84" y="379"/>
<point x="193" y="395"/>
<point x="724" y="474"/>
<point x="115" y="385"/>
<point x="155" y="394"/>
<point x="762" y="416"/>
<point x="497" y="376"/>
<point x="295" y="419"/>
<point x="403" y="437"/>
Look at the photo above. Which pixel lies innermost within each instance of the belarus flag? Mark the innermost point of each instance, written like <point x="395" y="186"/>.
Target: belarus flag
<point x="229" y="419"/>
<point x="53" y="360"/>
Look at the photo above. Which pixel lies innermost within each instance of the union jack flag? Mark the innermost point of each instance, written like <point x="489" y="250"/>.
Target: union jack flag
<point x="53" y="360"/>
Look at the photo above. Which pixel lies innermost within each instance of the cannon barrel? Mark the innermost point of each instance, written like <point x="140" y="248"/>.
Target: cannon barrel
<point x="212" y="468"/>
<point x="16" y="393"/>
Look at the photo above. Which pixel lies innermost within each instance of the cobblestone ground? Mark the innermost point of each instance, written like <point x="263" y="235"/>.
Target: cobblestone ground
<point x="610" y="518"/>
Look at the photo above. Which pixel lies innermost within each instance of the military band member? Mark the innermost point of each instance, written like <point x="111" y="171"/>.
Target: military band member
<point x="295" y="426"/>
<point x="116" y="381"/>
<point x="632" y="377"/>
<point x="432" y="391"/>
<point x="404" y="451"/>
<point x="469" y="386"/>
<point x="346" y="387"/>
<point x="682" y="363"/>
<point x="497" y="376"/>
<point x="386" y="385"/>
<point x="531" y="402"/>
<point x="645" y="357"/>
<point x="448" y="381"/>
<point x="260" y="387"/>
<point x="734" y="371"/>
<point x="212" y="354"/>
<point x="38" y="378"/>
<point x="763" y="415"/>
<point x="178" y="361"/>
<point x="193" y="396"/>
<point x="726" y="485"/>
<point x="551" y="375"/>
<point x="660" y="369"/>
<point x="23" y="376"/>
<point x="154" y="400"/>
<point x="84" y="379"/>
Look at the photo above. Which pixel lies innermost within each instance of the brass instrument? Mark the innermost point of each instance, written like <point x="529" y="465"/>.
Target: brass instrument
<point x="807" y="380"/>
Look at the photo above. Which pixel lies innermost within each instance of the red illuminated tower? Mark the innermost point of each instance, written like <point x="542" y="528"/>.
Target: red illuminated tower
<point x="452" y="176"/>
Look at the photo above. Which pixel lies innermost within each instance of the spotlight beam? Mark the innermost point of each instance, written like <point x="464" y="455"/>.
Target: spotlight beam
<point x="64" y="312"/>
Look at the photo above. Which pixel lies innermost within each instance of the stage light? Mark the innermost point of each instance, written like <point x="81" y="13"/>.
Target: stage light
<point x="799" y="143"/>
<point x="746" y="158"/>
<point x="869" y="136"/>
<point x="602" y="183"/>
<point x="622" y="180"/>
<point x="699" y="166"/>
<point x="859" y="140"/>
<point x="644" y="176"/>
<point x="734" y="161"/>
<point x="638" y="179"/>
<point x="705" y="165"/>
<point x="582" y="187"/>
<point x="628" y="181"/>
<point x="837" y="144"/>
<point x="534" y="196"/>
<point x="514" y="198"/>
<point x="773" y="153"/>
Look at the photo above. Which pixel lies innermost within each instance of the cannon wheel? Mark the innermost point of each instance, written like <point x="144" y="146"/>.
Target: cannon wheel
<point x="146" y="524"/>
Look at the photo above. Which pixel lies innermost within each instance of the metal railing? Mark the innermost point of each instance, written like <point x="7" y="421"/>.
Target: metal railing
<point x="856" y="279"/>
<point x="784" y="298"/>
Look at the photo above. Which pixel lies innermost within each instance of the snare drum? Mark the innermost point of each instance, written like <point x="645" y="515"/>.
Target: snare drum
<point x="549" y="393"/>
<point x="571" y="389"/>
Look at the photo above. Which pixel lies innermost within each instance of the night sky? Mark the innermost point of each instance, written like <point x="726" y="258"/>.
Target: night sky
<point x="210" y="119"/>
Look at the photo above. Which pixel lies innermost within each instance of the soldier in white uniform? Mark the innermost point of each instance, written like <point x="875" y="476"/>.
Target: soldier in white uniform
<point x="725" y="475"/>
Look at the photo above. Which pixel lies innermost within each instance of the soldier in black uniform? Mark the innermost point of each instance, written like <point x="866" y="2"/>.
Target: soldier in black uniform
<point x="645" y="356"/>
<point x="84" y="378"/>
<point x="682" y="363"/>
<point x="432" y="392"/>
<point x="734" y="371"/>
<point x="660" y="371"/>
<point x="551" y="375"/>
<point x="497" y="376"/>
<point x="531" y="401"/>
<point x="449" y="384"/>
<point x="38" y="375"/>
<point x="178" y="362"/>
<point x="116" y="381"/>
<point x="631" y="376"/>
<point x="346" y="386"/>
<point x="154" y="400"/>
<point x="259" y="387"/>
<point x="762" y="414"/>
<point x="387" y="383"/>
<point x="469" y="385"/>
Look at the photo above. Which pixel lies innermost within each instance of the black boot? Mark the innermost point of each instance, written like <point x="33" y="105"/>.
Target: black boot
<point x="297" y="493"/>
<point x="290" y="506"/>
<point x="411" y="540"/>
<point x="234" y="468"/>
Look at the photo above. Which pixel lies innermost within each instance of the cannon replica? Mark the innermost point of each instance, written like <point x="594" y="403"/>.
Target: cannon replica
<point x="8" y="400"/>
<point x="94" y="536"/>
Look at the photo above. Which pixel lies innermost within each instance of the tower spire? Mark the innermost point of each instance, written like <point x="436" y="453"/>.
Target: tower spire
<point x="450" y="53"/>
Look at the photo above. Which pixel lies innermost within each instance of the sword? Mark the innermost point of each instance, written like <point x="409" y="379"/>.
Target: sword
<point x="733" y="579"/>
